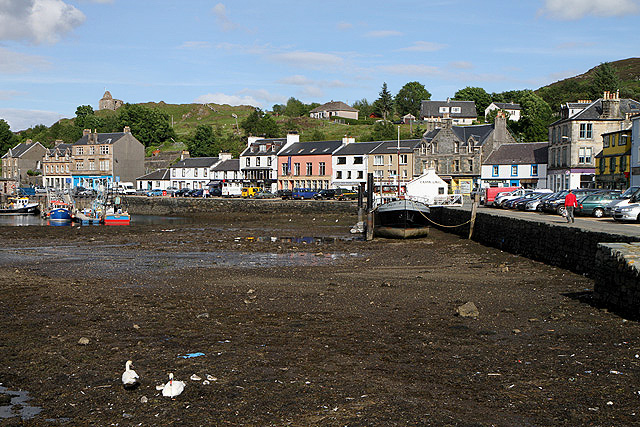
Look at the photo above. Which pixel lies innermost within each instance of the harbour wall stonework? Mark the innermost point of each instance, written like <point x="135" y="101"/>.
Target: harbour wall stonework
<point x="607" y="258"/>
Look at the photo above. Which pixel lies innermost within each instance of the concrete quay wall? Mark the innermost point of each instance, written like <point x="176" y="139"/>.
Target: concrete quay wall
<point x="185" y="206"/>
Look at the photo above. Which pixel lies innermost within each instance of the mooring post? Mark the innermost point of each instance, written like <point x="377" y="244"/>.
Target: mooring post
<point x="474" y="208"/>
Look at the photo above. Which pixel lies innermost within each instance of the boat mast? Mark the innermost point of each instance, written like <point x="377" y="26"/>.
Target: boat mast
<point x="398" y="160"/>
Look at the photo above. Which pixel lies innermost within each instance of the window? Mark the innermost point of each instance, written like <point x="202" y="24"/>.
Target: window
<point x="269" y="161"/>
<point x="586" y="130"/>
<point x="470" y="164"/>
<point x="514" y="170"/>
<point x="257" y="161"/>
<point x="79" y="151"/>
<point x="602" y="165"/>
<point x="183" y="172"/>
<point x="534" y="170"/>
<point x="456" y="147"/>
<point x="358" y="160"/>
<point x="623" y="139"/>
<point x="564" y="156"/>
<point x="67" y="167"/>
<point x="309" y="168"/>
<point x="285" y="169"/>
<point x="204" y="172"/>
<point x="248" y="163"/>
<point x="443" y="109"/>
<point x="495" y="170"/>
<point x="342" y="160"/>
<point x="338" y="174"/>
<point x="456" y="165"/>
<point x="322" y="169"/>
<point x="104" y="149"/>
<point x="456" y="110"/>
<point x="360" y="175"/>
<point x="587" y="155"/>
<point x="79" y="165"/>
<point x="378" y="161"/>
<point x="623" y="163"/>
<point x="92" y="150"/>
<point x="296" y="169"/>
<point x="404" y="173"/>
<point x="174" y="172"/>
<point x="581" y="155"/>
<point x="378" y="174"/>
<point x="92" y="165"/>
<point x="403" y="159"/>
<point x="605" y="141"/>
<point x="195" y="172"/>
<point x="553" y="135"/>
<point x="46" y="168"/>
<point x="390" y="160"/>
<point x="434" y="147"/>
<point x="612" y="165"/>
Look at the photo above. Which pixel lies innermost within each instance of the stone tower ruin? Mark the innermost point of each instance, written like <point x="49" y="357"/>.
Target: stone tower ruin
<point x="108" y="103"/>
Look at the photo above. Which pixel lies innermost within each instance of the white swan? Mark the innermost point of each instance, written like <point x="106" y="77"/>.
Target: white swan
<point x="129" y="376"/>
<point x="172" y="388"/>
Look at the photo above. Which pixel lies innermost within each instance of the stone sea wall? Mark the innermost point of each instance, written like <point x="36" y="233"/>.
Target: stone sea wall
<point x="617" y="276"/>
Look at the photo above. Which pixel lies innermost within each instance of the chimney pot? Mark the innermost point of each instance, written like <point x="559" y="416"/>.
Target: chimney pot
<point x="127" y="129"/>
<point x="86" y="132"/>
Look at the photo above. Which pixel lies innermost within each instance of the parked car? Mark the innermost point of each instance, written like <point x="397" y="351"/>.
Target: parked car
<point x="154" y="192"/>
<point x="84" y="192"/>
<point x="171" y="190"/>
<point x="489" y="194"/>
<point x="532" y="205"/>
<point x="284" y="194"/>
<point x="627" y="213"/>
<point x="501" y="199"/>
<point x="250" y="191"/>
<point x="623" y="200"/>
<point x="303" y="193"/>
<point x="345" y="194"/>
<point x="196" y="192"/>
<point x="215" y="192"/>
<point x="326" y="193"/>
<point x="264" y="195"/>
<point x="40" y="190"/>
<point x="182" y="192"/>
<point x="556" y="205"/>
<point x="513" y="204"/>
<point x="595" y="204"/>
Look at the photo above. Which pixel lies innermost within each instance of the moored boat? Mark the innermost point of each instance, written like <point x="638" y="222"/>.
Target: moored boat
<point x="401" y="219"/>
<point x="20" y="206"/>
<point x="59" y="212"/>
<point x="113" y="211"/>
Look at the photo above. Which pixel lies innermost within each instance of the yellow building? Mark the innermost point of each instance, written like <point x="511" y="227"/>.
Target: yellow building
<point x="613" y="162"/>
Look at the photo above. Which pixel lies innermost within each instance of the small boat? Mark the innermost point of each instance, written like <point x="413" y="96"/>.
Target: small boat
<point x="113" y="212"/>
<point x="20" y="206"/>
<point x="59" y="211"/>
<point x="401" y="219"/>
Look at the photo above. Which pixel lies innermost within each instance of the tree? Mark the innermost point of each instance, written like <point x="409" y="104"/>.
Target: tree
<point x="604" y="79"/>
<point x="259" y="123"/>
<point x="202" y="142"/>
<point x="382" y="131"/>
<point x="536" y="115"/>
<point x="364" y="108"/>
<point x="384" y="104"/>
<point x="7" y="138"/>
<point x="476" y="94"/>
<point x="295" y="108"/>
<point x="410" y="97"/>
<point x="149" y="126"/>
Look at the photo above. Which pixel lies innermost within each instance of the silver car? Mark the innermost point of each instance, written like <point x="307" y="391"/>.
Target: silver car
<point x="627" y="213"/>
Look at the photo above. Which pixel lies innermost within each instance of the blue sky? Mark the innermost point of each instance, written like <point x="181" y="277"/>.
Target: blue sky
<point x="58" y="54"/>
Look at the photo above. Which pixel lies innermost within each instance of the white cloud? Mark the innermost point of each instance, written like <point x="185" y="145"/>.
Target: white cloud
<point x="222" y="98"/>
<point x="344" y="26"/>
<point x="37" y="21"/>
<point x="24" y="119"/>
<point x="383" y="33"/>
<point x="220" y="11"/>
<point x="576" y="9"/>
<point x="266" y="96"/>
<point x="308" y="59"/>
<point x="461" y="65"/>
<point x="195" y="45"/>
<point x="296" y="80"/>
<point x="422" y="46"/>
<point x="411" y="69"/>
<point x="17" y="63"/>
<point x="6" y="95"/>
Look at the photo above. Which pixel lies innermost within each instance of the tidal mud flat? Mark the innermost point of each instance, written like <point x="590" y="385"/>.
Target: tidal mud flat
<point x="299" y="324"/>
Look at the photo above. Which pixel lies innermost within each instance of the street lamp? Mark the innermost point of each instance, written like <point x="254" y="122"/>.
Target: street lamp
<point x="235" y="116"/>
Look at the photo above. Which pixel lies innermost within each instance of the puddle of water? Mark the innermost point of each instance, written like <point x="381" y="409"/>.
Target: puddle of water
<point x="18" y="406"/>
<point x="26" y="220"/>
<point x="301" y="240"/>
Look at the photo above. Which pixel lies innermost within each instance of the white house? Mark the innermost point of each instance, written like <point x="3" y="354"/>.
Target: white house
<point x="513" y="109"/>
<point x="349" y="163"/>
<point x="519" y="164"/>
<point x="259" y="161"/>
<point x="159" y="179"/>
<point x="334" y="109"/>
<point x="428" y="188"/>
<point x="192" y="172"/>
<point x="227" y="175"/>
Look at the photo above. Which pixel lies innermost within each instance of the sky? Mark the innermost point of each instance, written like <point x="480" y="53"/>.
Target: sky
<point x="58" y="54"/>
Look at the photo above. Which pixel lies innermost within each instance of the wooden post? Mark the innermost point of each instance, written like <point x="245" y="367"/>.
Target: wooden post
<point x="474" y="208"/>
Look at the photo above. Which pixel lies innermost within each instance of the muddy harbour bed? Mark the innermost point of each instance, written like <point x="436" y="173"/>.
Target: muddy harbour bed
<point x="290" y="320"/>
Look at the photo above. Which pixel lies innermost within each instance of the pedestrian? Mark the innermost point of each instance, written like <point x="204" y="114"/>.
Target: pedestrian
<point x="570" y="203"/>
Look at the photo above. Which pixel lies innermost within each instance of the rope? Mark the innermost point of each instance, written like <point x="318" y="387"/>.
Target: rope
<point x="441" y="225"/>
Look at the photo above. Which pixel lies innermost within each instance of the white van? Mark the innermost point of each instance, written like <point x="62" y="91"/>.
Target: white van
<point x="126" y="188"/>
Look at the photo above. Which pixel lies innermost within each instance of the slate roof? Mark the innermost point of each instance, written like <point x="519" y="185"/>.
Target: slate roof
<point x="228" y="165"/>
<point x="333" y="106"/>
<point x="19" y="149"/>
<point x="196" y="162"/>
<point x="156" y="175"/>
<point x="594" y="111"/>
<point x="519" y="154"/>
<point x="61" y="148"/>
<point x="507" y="106"/>
<point x="357" y="148"/>
<point x="276" y="145"/>
<point x="310" y="148"/>
<point x="432" y="109"/>
<point x="103" y="138"/>
<point x="391" y="147"/>
<point x="463" y="133"/>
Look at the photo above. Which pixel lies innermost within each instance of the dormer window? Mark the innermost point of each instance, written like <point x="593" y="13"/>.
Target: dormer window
<point x="263" y="148"/>
<point x="456" y="147"/>
<point x="456" y="110"/>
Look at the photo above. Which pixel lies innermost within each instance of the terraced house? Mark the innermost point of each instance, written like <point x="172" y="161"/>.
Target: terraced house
<point x="306" y="165"/>
<point x="576" y="138"/>
<point x="56" y="166"/>
<point x="613" y="163"/>
<point x="19" y="160"/>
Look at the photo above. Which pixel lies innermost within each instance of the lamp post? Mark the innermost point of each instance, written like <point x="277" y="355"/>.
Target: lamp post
<point x="235" y="116"/>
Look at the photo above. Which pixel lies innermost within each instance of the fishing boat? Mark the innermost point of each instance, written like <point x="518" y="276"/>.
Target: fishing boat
<point x="401" y="219"/>
<point x="20" y="205"/>
<point x="59" y="211"/>
<point x="113" y="211"/>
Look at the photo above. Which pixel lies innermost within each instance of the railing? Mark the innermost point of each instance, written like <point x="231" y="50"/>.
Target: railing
<point x="440" y="200"/>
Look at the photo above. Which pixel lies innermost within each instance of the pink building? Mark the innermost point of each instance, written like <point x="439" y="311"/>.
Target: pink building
<point x="306" y="165"/>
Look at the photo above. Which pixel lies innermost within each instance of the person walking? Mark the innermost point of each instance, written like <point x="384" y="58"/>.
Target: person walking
<point x="570" y="203"/>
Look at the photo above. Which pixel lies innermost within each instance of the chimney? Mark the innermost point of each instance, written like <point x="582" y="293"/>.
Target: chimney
<point x="58" y="142"/>
<point x="610" y="106"/>
<point x="184" y="155"/>
<point x="500" y="128"/>
<point x="29" y="141"/>
<point x="348" y="140"/>
<point x="293" y="137"/>
<point x="127" y="129"/>
<point x="86" y="132"/>
<point x="225" y="156"/>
